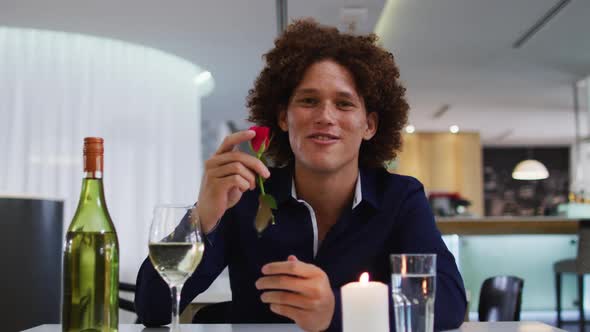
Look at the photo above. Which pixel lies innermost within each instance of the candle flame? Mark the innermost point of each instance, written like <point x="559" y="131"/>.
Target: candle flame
<point x="364" y="278"/>
<point x="424" y="286"/>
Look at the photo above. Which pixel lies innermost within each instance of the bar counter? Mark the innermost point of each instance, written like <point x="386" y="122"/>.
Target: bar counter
<point x="526" y="247"/>
<point x="507" y="225"/>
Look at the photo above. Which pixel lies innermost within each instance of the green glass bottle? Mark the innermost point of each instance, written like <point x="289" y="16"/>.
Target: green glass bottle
<point x="91" y="255"/>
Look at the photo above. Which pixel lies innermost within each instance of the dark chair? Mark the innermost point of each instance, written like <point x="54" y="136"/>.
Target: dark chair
<point x="579" y="266"/>
<point x="217" y="313"/>
<point x="125" y="304"/>
<point x="500" y="299"/>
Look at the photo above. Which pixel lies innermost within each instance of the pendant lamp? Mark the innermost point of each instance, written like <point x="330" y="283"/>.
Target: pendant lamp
<point x="530" y="169"/>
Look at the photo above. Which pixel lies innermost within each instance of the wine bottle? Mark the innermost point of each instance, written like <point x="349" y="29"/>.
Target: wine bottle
<point x="91" y="255"/>
<point x="572" y="197"/>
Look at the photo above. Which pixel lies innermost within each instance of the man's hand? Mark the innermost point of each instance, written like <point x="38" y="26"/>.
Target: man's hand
<point x="228" y="174"/>
<point x="299" y="291"/>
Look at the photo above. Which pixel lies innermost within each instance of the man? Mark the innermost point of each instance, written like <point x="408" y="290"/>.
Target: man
<point x="336" y="110"/>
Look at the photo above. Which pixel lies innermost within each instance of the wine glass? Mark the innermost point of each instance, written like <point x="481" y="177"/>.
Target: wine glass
<point x="175" y="248"/>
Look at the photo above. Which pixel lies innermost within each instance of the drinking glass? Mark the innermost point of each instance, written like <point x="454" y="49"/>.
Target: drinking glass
<point x="413" y="286"/>
<point x="175" y="248"/>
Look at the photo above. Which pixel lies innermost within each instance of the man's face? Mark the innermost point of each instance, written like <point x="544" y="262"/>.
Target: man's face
<point x="326" y="119"/>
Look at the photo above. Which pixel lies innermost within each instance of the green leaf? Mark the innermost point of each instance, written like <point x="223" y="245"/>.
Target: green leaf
<point x="269" y="201"/>
<point x="263" y="215"/>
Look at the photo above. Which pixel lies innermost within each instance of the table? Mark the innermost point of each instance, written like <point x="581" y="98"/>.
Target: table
<point x="506" y="327"/>
<point x="466" y="327"/>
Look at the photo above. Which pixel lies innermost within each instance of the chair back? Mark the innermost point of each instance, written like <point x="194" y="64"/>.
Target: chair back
<point x="125" y="304"/>
<point x="583" y="258"/>
<point x="217" y="313"/>
<point x="500" y="299"/>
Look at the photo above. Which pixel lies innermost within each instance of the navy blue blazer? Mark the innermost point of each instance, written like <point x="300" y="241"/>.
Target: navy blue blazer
<point x="390" y="215"/>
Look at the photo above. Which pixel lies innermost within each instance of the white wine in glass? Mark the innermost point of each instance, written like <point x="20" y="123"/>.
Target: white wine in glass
<point x="176" y="248"/>
<point x="175" y="261"/>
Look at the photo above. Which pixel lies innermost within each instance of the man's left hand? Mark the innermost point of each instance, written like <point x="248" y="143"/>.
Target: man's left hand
<point x="298" y="291"/>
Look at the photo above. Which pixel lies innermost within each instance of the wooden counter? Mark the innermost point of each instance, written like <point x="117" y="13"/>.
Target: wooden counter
<point x="507" y="225"/>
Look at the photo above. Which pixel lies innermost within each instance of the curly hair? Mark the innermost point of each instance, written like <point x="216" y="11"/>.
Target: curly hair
<point x="375" y="73"/>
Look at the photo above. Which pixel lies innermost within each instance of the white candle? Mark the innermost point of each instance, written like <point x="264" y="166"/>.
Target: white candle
<point x="365" y="306"/>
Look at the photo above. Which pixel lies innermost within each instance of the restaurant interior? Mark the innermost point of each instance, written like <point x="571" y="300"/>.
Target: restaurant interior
<point x="498" y="131"/>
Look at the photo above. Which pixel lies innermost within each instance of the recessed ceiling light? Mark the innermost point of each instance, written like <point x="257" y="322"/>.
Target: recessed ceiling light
<point x="454" y="129"/>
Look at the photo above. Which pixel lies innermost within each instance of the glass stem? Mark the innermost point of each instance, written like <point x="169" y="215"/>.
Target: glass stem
<point x="176" y="290"/>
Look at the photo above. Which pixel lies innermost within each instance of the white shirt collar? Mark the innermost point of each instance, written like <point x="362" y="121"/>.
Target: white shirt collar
<point x="358" y="193"/>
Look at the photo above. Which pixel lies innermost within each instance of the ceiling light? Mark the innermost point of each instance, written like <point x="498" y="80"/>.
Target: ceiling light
<point x="530" y="169"/>
<point x="441" y="111"/>
<point x="352" y="17"/>
<point x="203" y="77"/>
<point x="541" y="23"/>
<point x="204" y="82"/>
<point x="410" y="129"/>
<point x="454" y="129"/>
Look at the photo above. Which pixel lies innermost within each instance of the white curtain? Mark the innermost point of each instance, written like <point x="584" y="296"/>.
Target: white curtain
<point x="56" y="88"/>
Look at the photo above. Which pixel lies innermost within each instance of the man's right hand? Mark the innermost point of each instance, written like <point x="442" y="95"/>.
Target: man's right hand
<point x="228" y="174"/>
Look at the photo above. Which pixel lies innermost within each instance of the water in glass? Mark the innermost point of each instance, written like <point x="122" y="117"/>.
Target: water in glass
<point x="413" y="299"/>
<point x="413" y="286"/>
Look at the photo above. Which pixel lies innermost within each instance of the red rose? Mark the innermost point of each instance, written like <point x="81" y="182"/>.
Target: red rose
<point x="262" y="136"/>
<point x="266" y="203"/>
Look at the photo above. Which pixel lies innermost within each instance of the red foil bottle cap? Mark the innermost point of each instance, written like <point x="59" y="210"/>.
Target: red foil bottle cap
<point x="93" y="154"/>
